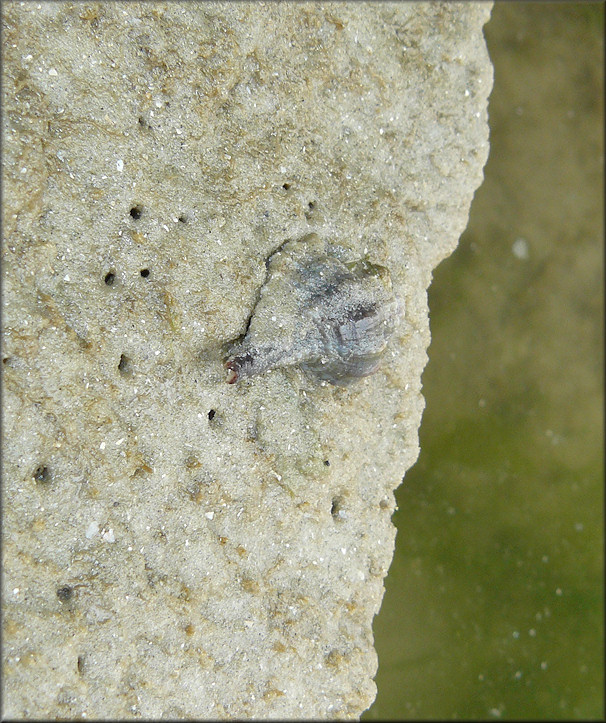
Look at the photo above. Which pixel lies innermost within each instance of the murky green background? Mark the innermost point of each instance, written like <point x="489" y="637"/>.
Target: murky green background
<point x="494" y="602"/>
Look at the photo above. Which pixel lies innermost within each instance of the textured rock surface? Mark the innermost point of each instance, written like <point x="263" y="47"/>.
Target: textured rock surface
<point x="175" y="546"/>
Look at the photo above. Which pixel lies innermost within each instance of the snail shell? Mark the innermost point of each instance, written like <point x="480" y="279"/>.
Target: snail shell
<point x="332" y="319"/>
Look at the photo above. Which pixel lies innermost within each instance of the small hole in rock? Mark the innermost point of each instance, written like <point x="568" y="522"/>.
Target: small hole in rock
<point x="136" y="212"/>
<point x="286" y="186"/>
<point x="144" y="273"/>
<point x="211" y="414"/>
<point x="80" y="663"/>
<point x="336" y="508"/>
<point x="42" y="474"/>
<point x="327" y="463"/>
<point x="110" y="278"/>
<point x="65" y="593"/>
<point x="124" y="366"/>
<point x="183" y="218"/>
<point x="310" y="210"/>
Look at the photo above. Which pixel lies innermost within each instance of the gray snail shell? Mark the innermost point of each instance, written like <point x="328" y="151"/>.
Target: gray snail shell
<point x="332" y="319"/>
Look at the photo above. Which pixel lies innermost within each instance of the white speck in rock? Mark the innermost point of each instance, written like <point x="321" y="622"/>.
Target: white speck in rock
<point x="209" y="515"/>
<point x="102" y="446"/>
<point x="92" y="530"/>
<point x="53" y="72"/>
<point x="120" y="165"/>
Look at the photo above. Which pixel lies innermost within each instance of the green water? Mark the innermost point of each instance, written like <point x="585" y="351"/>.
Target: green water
<point x="494" y="602"/>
